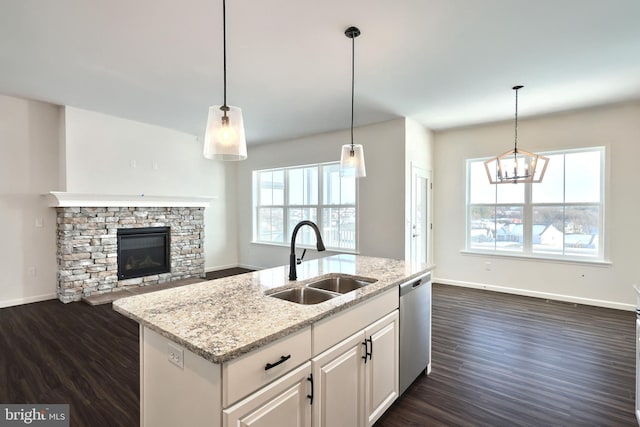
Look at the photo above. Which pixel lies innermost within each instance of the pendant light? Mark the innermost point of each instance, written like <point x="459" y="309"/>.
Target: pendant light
<point x="224" y="138"/>
<point x="516" y="166"/>
<point x="352" y="158"/>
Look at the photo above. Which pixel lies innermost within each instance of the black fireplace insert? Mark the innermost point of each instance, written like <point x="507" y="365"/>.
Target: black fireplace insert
<point x="143" y="251"/>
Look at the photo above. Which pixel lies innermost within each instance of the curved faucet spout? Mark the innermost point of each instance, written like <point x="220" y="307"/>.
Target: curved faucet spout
<point x="293" y="275"/>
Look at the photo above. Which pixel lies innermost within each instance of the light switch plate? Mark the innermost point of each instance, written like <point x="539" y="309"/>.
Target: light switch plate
<point x="176" y="355"/>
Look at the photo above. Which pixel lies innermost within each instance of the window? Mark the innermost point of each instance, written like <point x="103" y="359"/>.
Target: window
<point x="561" y="217"/>
<point x="283" y="197"/>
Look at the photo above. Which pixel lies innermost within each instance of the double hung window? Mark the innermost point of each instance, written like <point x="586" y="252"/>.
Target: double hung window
<point x="561" y="217"/>
<point x="285" y="196"/>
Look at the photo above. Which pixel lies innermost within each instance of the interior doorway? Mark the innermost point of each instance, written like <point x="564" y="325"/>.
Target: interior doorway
<point x="420" y="214"/>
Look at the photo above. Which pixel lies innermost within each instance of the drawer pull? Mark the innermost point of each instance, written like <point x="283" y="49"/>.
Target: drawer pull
<point x="273" y="365"/>
<point x="310" y="396"/>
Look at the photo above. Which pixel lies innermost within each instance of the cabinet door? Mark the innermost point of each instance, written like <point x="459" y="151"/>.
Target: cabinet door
<point x="283" y="403"/>
<point x="381" y="378"/>
<point x="338" y="375"/>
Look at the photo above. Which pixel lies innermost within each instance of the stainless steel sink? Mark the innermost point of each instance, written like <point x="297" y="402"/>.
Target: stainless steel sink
<point x="340" y="284"/>
<point x="304" y="295"/>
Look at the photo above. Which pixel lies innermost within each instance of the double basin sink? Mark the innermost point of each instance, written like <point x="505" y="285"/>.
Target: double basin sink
<point x="322" y="290"/>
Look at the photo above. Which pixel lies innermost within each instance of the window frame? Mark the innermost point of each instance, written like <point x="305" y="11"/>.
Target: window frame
<point x="528" y="207"/>
<point x="319" y="207"/>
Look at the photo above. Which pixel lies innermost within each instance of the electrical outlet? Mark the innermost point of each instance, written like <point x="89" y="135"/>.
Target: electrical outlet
<point x="154" y="165"/>
<point x="39" y="223"/>
<point x="487" y="266"/>
<point x="176" y="355"/>
<point x="132" y="164"/>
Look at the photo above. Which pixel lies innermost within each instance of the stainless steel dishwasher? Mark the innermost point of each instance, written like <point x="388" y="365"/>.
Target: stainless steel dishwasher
<point x="415" y="329"/>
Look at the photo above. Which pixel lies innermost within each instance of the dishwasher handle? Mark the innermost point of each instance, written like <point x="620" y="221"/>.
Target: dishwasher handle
<point x="411" y="285"/>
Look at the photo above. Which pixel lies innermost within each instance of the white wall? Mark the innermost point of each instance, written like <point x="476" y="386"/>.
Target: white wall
<point x="615" y="127"/>
<point x="111" y="155"/>
<point x="29" y="133"/>
<point x="381" y="192"/>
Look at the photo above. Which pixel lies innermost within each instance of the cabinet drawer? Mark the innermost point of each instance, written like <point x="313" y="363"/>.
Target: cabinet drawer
<point x="248" y="373"/>
<point x="333" y="329"/>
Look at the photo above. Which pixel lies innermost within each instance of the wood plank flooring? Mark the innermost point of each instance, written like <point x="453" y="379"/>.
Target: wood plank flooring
<point x="505" y="360"/>
<point x="86" y="356"/>
<point x="498" y="360"/>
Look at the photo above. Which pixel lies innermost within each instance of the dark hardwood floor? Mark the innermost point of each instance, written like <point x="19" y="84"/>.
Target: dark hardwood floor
<point x="498" y="360"/>
<point x="86" y="356"/>
<point x="505" y="360"/>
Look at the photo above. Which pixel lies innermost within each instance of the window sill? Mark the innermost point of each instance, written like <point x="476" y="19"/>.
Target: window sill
<point x="536" y="258"/>
<point x="313" y="247"/>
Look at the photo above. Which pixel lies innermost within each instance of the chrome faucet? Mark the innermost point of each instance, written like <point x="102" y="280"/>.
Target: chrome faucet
<point x="292" y="257"/>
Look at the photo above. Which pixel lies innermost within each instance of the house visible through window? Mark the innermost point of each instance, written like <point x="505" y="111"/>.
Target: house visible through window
<point x="283" y="197"/>
<point x="561" y="217"/>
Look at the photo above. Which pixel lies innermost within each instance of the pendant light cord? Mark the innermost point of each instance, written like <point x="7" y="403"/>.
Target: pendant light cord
<point x="224" y="55"/>
<point x="516" y="126"/>
<point x="353" y="61"/>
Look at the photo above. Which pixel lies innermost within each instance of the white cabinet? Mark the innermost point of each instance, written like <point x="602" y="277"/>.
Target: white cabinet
<point x="319" y="371"/>
<point x="339" y="384"/>
<point x="248" y="373"/>
<point x="381" y="376"/>
<point x="286" y="402"/>
<point x="357" y="379"/>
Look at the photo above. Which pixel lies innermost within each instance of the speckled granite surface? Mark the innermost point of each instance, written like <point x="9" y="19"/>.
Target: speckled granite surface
<point x="225" y="318"/>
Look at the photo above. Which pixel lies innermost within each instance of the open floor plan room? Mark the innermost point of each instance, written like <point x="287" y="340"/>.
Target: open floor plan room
<point x="498" y="359"/>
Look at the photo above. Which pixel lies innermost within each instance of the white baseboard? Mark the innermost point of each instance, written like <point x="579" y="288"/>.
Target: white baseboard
<point x="220" y="267"/>
<point x="536" y="294"/>
<point x="27" y="300"/>
<point x="224" y="267"/>
<point x="251" y="267"/>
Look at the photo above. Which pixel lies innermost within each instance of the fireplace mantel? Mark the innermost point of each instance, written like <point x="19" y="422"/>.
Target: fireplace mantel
<point x="66" y="199"/>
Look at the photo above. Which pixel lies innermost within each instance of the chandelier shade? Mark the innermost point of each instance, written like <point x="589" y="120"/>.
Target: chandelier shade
<point x="516" y="167"/>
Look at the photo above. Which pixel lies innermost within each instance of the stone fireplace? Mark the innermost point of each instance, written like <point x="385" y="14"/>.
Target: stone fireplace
<point x="87" y="243"/>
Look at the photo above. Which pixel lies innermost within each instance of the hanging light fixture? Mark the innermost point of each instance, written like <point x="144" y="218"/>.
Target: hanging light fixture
<point x="516" y="166"/>
<point x="224" y="138"/>
<point x="352" y="158"/>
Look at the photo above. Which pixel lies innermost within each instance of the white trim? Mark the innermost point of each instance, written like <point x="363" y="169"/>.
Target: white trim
<point x="65" y="199"/>
<point x="536" y="294"/>
<point x="27" y="300"/>
<point x="220" y="267"/>
<point x="527" y="257"/>
<point x="251" y="267"/>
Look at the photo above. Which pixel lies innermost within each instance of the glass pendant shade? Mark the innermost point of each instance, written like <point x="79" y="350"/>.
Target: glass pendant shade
<point x="352" y="161"/>
<point x="224" y="138"/>
<point x="515" y="167"/>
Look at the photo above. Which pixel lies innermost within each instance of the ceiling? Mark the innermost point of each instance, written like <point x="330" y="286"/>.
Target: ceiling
<point x="445" y="63"/>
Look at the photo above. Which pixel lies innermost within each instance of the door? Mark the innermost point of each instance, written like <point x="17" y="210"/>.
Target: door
<point x="283" y="403"/>
<point x="339" y="384"/>
<point x="420" y="218"/>
<point x="381" y="376"/>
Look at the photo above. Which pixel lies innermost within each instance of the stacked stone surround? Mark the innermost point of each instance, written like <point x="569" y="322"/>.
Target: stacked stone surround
<point x="87" y="246"/>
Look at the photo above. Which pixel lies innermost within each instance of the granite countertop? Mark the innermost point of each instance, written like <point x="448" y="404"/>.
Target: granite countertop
<point x="225" y="318"/>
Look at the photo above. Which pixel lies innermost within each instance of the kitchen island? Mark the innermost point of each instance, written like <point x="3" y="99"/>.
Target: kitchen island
<point x="224" y="352"/>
